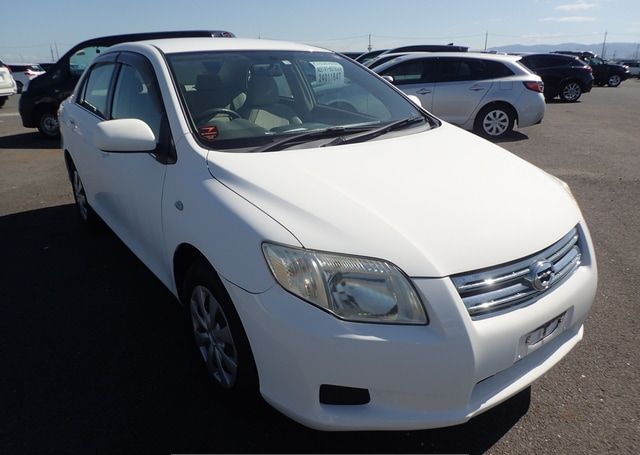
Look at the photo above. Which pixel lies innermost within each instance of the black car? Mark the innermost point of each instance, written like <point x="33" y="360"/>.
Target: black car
<point x="563" y="75"/>
<point x="39" y="104"/>
<point x="604" y="72"/>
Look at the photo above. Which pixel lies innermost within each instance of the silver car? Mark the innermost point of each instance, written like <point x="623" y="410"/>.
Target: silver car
<point x="483" y="92"/>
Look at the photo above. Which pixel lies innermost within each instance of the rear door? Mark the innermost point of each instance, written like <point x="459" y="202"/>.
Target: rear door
<point x="414" y="77"/>
<point x="458" y="90"/>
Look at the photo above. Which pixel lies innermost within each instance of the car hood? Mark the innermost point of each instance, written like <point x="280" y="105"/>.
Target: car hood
<point x="434" y="203"/>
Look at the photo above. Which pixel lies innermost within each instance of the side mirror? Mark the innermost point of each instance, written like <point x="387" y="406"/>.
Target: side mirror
<point x="128" y="135"/>
<point x="388" y="78"/>
<point x="415" y="100"/>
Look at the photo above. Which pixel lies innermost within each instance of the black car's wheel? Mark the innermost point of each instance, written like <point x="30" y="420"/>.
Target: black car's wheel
<point x="20" y="86"/>
<point x="614" y="80"/>
<point x="570" y="91"/>
<point x="495" y="121"/>
<point x="3" y="99"/>
<point x="48" y="123"/>
<point x="219" y="335"/>
<point x="89" y="218"/>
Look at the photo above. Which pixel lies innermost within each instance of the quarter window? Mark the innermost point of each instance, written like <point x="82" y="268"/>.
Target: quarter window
<point x="97" y="88"/>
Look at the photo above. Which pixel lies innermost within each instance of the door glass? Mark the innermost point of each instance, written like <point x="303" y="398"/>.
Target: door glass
<point x="97" y="89"/>
<point x="137" y="97"/>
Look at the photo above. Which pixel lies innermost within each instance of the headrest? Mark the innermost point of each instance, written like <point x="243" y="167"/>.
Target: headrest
<point x="262" y="91"/>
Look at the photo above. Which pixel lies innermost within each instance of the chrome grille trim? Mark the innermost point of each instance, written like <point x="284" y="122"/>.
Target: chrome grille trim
<point x="505" y="286"/>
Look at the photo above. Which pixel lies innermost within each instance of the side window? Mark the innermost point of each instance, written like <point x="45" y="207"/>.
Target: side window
<point x="406" y="73"/>
<point x="454" y="70"/>
<point x="96" y="89"/>
<point x="531" y="62"/>
<point x="137" y="96"/>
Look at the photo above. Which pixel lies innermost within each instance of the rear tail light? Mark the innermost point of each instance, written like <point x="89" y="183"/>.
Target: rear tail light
<point x="535" y="86"/>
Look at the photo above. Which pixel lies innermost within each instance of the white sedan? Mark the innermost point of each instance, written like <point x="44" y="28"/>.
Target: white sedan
<point x="359" y="262"/>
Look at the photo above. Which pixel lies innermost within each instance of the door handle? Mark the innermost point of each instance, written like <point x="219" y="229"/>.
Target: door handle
<point x="476" y="88"/>
<point x="423" y="91"/>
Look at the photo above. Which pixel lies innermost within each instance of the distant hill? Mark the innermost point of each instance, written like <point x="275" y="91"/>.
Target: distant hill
<point x="612" y="50"/>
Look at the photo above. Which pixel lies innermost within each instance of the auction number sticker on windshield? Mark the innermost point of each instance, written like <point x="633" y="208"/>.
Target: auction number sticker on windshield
<point x="328" y="72"/>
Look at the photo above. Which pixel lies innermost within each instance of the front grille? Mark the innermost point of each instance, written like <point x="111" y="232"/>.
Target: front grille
<point x="521" y="282"/>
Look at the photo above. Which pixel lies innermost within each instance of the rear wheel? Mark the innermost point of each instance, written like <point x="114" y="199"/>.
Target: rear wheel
<point x="219" y="335"/>
<point x="88" y="217"/>
<point x="20" y="86"/>
<point x="48" y="123"/>
<point x="614" y="80"/>
<point x="3" y="99"/>
<point x="495" y="121"/>
<point x="570" y="91"/>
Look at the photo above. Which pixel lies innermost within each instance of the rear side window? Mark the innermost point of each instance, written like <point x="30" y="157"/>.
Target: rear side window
<point x="96" y="89"/>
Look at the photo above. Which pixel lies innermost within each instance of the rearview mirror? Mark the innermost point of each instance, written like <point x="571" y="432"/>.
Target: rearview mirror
<point x="388" y="78"/>
<point x="126" y="135"/>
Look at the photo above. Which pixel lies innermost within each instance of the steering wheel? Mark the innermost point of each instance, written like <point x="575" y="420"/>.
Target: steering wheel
<point x="210" y="113"/>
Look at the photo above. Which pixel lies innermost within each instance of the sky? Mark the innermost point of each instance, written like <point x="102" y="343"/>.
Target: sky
<point x="39" y="27"/>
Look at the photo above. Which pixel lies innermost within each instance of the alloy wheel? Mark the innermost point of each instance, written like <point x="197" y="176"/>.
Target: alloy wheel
<point x="614" y="80"/>
<point x="80" y="195"/>
<point x="213" y="337"/>
<point x="571" y="91"/>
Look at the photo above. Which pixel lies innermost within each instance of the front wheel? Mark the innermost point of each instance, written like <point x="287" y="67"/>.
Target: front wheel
<point x="48" y="124"/>
<point x="571" y="92"/>
<point x="614" y="80"/>
<point x="495" y="121"/>
<point x="219" y="335"/>
<point x="3" y="99"/>
<point x="20" y="86"/>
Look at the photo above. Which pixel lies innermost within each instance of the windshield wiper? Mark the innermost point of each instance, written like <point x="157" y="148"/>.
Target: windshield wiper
<point x="310" y="135"/>
<point x="371" y="134"/>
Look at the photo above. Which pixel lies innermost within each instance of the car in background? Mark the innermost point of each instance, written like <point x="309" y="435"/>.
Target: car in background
<point x="8" y="85"/>
<point x="368" y="56"/>
<point x="565" y="76"/>
<point x="383" y="58"/>
<point x="482" y="92"/>
<point x="46" y="66"/>
<point x="583" y="55"/>
<point x="39" y="105"/>
<point x="23" y="73"/>
<point x="608" y="73"/>
<point x="367" y="269"/>
<point x="633" y="65"/>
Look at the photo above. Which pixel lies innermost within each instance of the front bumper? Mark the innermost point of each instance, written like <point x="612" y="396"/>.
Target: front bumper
<point x="418" y="377"/>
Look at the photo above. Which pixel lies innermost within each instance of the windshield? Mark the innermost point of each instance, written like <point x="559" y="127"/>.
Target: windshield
<point x="240" y="100"/>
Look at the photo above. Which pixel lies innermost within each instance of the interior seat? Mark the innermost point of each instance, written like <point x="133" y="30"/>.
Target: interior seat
<point x="262" y="105"/>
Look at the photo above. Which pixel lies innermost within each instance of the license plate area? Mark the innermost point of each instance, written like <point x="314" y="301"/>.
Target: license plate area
<point x="542" y="335"/>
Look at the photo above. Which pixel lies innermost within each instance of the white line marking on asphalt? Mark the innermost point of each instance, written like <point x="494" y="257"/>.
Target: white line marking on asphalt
<point x="10" y="114"/>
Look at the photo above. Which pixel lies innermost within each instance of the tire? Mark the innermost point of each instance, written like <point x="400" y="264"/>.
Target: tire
<point x="88" y="217"/>
<point x="20" y="86"/>
<point x="48" y="123"/>
<point x="614" y="80"/>
<point x="3" y="99"/>
<point x="495" y="121"/>
<point x="218" y="332"/>
<point x="570" y="91"/>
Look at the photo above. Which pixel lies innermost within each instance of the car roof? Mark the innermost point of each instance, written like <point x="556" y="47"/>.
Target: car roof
<point x="179" y="45"/>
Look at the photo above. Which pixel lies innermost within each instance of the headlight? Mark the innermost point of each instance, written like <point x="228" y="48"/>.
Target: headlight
<point x="350" y="287"/>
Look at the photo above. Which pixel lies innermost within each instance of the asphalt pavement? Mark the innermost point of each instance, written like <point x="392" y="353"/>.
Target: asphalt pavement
<point x="96" y="355"/>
